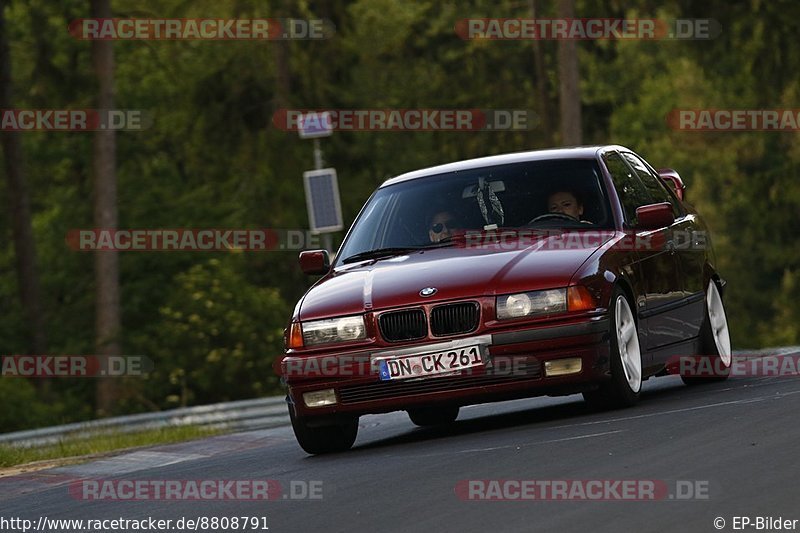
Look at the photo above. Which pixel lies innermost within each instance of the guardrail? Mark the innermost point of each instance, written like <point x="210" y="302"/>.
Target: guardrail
<point x="241" y="415"/>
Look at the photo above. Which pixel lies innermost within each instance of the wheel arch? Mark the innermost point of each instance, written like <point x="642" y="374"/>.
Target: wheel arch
<point x="709" y="274"/>
<point x="625" y="285"/>
<point x="626" y="288"/>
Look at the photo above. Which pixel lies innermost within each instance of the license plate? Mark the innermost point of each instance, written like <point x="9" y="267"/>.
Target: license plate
<point x="429" y="364"/>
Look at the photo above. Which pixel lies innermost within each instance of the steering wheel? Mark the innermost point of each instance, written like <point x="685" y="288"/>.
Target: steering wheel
<point x="552" y="216"/>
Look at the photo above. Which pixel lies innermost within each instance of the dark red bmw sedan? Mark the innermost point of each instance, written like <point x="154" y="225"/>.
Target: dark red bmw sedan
<point x="554" y="272"/>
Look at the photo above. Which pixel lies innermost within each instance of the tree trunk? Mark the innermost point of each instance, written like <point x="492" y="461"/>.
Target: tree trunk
<point x="106" y="264"/>
<point x="24" y="246"/>
<point x="569" y="89"/>
<point x="541" y="80"/>
<point x="280" y="58"/>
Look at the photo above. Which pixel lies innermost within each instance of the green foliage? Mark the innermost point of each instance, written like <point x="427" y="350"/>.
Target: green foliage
<point x="212" y="323"/>
<point x="19" y="396"/>
<point x="786" y="307"/>
<point x="217" y="336"/>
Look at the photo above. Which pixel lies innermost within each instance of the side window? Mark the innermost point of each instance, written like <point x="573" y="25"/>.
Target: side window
<point x="655" y="187"/>
<point x="630" y="190"/>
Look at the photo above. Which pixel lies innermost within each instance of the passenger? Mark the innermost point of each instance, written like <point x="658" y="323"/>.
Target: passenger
<point x="441" y="226"/>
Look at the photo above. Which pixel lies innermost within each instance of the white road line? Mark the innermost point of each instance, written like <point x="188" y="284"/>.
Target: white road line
<point x="519" y="446"/>
<point x="672" y="411"/>
<point x="578" y="437"/>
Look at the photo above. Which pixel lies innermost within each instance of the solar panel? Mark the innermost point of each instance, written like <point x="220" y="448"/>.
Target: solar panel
<point x="322" y="200"/>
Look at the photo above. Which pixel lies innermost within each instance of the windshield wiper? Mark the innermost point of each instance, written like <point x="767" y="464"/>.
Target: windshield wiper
<point x="379" y="253"/>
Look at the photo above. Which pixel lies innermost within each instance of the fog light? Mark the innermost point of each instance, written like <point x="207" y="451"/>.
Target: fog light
<point x="319" y="398"/>
<point x="559" y="367"/>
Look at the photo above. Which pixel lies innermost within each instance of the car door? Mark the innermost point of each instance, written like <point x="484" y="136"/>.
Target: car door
<point x="659" y="269"/>
<point x="688" y="248"/>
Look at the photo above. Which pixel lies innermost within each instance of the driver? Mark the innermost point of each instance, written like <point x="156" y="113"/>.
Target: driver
<point x="565" y="202"/>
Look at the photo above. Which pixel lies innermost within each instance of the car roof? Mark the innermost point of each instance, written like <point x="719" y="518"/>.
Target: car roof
<point x="574" y="152"/>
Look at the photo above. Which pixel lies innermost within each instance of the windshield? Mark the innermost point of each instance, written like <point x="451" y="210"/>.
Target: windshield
<point x="560" y="193"/>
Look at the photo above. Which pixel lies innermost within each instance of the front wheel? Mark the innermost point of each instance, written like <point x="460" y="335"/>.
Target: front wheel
<point x="624" y="387"/>
<point x="331" y="438"/>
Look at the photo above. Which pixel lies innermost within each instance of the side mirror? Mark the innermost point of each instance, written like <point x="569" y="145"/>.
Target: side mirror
<point x="655" y="216"/>
<point x="314" y="262"/>
<point x="673" y="180"/>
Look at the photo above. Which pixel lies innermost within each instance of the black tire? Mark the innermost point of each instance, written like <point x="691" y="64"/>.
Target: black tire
<point x="433" y="416"/>
<point x="708" y="344"/>
<point x="616" y="392"/>
<point x="332" y="438"/>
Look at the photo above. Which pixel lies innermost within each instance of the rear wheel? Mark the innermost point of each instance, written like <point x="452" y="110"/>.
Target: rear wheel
<point x="715" y="342"/>
<point x="433" y="416"/>
<point x="624" y="387"/>
<point x="331" y="438"/>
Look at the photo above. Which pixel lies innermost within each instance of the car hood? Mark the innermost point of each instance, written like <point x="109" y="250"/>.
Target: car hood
<point x="455" y="272"/>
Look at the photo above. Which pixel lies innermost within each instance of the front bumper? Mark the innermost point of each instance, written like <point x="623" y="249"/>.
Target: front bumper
<point x="514" y="368"/>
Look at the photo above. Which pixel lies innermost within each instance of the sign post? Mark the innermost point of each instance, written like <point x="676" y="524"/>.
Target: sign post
<point x="321" y="185"/>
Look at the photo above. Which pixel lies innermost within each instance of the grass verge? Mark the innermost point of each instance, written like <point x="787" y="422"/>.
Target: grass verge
<point x="102" y="443"/>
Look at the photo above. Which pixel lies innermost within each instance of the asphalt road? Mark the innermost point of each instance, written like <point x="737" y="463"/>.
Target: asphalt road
<point x="736" y="443"/>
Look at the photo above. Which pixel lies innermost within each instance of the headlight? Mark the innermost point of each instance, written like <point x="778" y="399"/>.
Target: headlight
<point x="344" y="329"/>
<point x="531" y="303"/>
